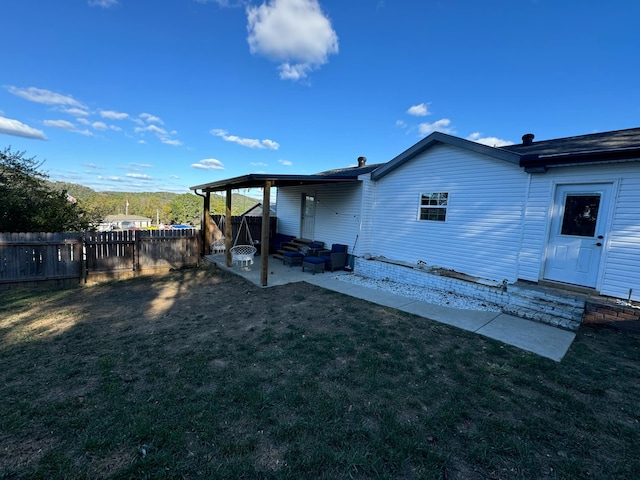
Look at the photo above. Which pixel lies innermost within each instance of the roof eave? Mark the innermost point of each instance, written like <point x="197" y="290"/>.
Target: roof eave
<point x="259" y="181"/>
<point x="540" y="163"/>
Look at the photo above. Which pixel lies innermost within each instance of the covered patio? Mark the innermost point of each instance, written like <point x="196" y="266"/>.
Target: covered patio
<point x="277" y="274"/>
<point x="265" y="182"/>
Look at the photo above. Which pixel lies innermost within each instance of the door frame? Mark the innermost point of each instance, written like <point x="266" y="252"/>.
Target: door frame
<point x="606" y="213"/>
<point x="303" y="210"/>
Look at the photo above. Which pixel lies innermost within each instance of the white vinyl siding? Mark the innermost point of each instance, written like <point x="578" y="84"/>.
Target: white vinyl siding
<point x="620" y="266"/>
<point x="337" y="215"/>
<point x="482" y="233"/>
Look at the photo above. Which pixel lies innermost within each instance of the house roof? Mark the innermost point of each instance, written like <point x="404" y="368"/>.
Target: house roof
<point x="258" y="180"/>
<point x="437" y="138"/>
<point x="122" y="218"/>
<point x="614" y="146"/>
<point x="605" y="147"/>
<point x="256" y="211"/>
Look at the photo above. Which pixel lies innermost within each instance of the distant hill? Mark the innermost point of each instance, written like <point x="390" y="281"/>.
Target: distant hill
<point x="168" y="208"/>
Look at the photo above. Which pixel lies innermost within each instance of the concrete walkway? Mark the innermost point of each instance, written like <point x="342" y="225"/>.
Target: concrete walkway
<point x="544" y="340"/>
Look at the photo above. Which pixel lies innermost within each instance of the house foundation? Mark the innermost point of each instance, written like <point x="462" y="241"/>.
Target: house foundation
<point x="552" y="306"/>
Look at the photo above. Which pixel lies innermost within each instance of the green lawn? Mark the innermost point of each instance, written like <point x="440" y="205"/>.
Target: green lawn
<point x="199" y="374"/>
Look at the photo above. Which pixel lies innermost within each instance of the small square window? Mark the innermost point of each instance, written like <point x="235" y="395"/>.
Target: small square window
<point x="433" y="206"/>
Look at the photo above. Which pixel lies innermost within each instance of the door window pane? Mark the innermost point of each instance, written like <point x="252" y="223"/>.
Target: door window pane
<point x="580" y="215"/>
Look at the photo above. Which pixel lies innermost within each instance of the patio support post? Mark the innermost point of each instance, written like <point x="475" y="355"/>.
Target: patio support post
<point x="206" y="225"/>
<point x="264" y="238"/>
<point x="227" y="229"/>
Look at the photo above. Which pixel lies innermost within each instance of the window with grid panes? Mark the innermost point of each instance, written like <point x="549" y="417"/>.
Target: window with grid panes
<point x="433" y="206"/>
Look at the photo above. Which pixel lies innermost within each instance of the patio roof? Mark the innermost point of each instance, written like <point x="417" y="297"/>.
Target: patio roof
<point x="258" y="180"/>
<point x="266" y="181"/>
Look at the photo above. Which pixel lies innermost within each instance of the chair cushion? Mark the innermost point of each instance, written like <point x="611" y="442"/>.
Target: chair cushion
<point x="292" y="254"/>
<point x="315" y="260"/>
<point x="338" y="248"/>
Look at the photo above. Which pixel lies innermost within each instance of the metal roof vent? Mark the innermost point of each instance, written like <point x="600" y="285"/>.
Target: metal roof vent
<point x="527" y="138"/>
<point x="362" y="161"/>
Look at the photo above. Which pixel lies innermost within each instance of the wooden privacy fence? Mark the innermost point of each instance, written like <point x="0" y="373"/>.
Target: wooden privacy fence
<point x="95" y="256"/>
<point x="254" y="224"/>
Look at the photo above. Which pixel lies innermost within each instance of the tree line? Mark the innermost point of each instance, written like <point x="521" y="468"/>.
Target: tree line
<point x="29" y="202"/>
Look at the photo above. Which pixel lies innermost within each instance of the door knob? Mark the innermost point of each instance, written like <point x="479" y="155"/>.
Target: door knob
<point x="598" y="244"/>
<point x="600" y="237"/>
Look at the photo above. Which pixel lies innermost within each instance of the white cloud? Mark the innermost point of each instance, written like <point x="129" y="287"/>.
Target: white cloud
<point x="66" y="125"/>
<point x="152" y="129"/>
<point x="91" y="165"/>
<point x="147" y="117"/>
<point x="103" y="3"/>
<point x="77" y="112"/>
<point x="138" y="176"/>
<point x="99" y="126"/>
<point x="9" y="126"/>
<point x="245" y="142"/>
<point x="60" y="124"/>
<point x="113" y="115"/>
<point x="47" y="97"/>
<point x="490" y="141"/>
<point x="442" y="125"/>
<point x="111" y="178"/>
<point x="83" y="121"/>
<point x="294" y="32"/>
<point x="169" y="141"/>
<point x="294" y="72"/>
<point x="161" y="133"/>
<point x="209" y="164"/>
<point x="420" y="110"/>
<point x="258" y="164"/>
<point x="286" y="163"/>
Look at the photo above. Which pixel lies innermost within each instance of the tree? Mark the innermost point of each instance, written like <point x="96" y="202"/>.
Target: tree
<point x="28" y="204"/>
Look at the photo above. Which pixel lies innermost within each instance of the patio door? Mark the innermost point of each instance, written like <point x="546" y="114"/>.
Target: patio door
<point x="308" y="220"/>
<point x="576" y="240"/>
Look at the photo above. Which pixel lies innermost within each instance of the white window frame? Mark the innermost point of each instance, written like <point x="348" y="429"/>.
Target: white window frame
<point x="438" y="202"/>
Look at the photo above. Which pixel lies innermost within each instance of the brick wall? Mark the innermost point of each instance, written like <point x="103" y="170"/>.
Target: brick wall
<point x="600" y="311"/>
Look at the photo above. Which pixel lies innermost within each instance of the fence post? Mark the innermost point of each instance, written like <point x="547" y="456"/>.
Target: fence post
<point x="83" y="259"/>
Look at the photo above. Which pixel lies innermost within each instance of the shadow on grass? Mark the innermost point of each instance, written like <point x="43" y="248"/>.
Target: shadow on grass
<point x="198" y="374"/>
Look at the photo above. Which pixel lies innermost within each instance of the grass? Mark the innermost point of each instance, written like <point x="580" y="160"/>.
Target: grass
<point x="198" y="374"/>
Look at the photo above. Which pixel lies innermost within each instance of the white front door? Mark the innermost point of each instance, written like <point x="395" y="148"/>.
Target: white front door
<point x="308" y="220"/>
<point x="578" y="228"/>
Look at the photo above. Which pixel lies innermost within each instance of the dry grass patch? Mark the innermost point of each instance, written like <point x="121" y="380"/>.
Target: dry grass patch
<point x="199" y="374"/>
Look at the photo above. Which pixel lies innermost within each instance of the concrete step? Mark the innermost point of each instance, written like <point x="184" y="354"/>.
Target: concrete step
<point x="559" y="309"/>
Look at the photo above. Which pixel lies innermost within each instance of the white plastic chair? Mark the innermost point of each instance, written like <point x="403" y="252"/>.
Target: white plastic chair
<point x="243" y="254"/>
<point x="218" y="246"/>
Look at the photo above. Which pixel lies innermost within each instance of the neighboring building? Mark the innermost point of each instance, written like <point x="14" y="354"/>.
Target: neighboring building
<point x="124" y="222"/>
<point x="256" y="211"/>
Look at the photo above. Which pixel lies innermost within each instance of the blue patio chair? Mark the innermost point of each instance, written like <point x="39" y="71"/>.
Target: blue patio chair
<point x="336" y="258"/>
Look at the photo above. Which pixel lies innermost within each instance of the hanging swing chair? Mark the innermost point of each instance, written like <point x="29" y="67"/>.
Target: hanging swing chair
<point x="219" y="245"/>
<point x="243" y="254"/>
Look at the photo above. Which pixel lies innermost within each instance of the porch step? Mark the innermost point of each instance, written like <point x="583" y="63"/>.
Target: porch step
<point x="560" y="309"/>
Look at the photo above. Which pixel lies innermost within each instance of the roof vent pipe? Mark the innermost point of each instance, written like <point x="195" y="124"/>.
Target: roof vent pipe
<point x="527" y="138"/>
<point x="362" y="161"/>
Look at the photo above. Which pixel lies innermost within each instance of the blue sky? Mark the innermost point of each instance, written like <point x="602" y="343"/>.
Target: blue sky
<point x="148" y="95"/>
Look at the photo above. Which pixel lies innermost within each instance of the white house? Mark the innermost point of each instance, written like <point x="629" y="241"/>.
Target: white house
<point x="455" y="214"/>
<point x="565" y="210"/>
